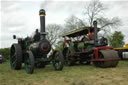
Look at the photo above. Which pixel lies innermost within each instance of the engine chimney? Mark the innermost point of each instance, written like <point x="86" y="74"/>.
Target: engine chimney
<point x="42" y="23"/>
<point x="95" y="33"/>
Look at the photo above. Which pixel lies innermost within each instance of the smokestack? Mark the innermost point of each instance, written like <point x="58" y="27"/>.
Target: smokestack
<point x="95" y="32"/>
<point x="42" y="23"/>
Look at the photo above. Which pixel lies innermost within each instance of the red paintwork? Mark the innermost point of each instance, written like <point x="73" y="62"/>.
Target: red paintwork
<point x="42" y="47"/>
<point x="66" y="41"/>
<point x="100" y="48"/>
<point x="105" y="60"/>
<point x="90" y="35"/>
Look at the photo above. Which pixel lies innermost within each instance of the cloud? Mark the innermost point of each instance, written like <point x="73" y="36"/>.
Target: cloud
<point x="9" y="6"/>
<point x="65" y="6"/>
<point x="15" y="19"/>
<point x="22" y="17"/>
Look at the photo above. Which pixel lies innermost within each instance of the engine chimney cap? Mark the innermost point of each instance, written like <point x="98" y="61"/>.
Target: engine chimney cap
<point x="42" y="12"/>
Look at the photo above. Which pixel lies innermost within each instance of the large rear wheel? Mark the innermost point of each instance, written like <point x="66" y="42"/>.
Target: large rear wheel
<point x="29" y="62"/>
<point x="16" y="57"/>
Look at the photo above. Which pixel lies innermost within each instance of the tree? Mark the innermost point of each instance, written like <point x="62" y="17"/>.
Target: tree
<point x="73" y="22"/>
<point x="95" y="11"/>
<point x="116" y="39"/>
<point x="59" y="45"/>
<point x="53" y="32"/>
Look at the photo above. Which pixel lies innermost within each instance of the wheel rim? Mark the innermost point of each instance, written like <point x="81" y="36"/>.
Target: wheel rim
<point x="13" y="58"/>
<point x="28" y="64"/>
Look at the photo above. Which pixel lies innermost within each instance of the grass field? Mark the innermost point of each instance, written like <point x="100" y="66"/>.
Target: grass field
<point x="75" y="75"/>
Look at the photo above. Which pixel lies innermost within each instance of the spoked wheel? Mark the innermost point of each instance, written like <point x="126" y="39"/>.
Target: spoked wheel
<point x="67" y="57"/>
<point x="58" y="60"/>
<point x="29" y="62"/>
<point x="16" y="57"/>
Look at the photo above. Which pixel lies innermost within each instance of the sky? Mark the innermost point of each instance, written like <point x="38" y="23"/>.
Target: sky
<point x="21" y="17"/>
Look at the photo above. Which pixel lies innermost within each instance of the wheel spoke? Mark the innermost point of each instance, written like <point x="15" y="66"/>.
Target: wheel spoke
<point x="14" y="56"/>
<point x="14" y="62"/>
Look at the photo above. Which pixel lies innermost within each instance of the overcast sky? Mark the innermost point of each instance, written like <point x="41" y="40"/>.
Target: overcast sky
<point x="21" y="17"/>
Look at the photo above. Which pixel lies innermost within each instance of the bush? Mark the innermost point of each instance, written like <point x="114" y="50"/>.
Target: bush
<point x="5" y="52"/>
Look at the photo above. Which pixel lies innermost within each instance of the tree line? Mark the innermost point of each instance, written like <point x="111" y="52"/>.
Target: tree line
<point x="5" y="52"/>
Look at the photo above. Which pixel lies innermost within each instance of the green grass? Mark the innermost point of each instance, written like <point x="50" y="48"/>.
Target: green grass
<point x="75" y="75"/>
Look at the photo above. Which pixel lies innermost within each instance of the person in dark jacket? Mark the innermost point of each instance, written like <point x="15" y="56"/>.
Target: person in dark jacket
<point x="36" y="36"/>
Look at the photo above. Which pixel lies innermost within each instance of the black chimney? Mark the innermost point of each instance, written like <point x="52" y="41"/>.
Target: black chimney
<point x="95" y="32"/>
<point x="42" y="23"/>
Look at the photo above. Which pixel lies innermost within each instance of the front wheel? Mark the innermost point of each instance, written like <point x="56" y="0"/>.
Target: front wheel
<point x="29" y="62"/>
<point x="58" y="60"/>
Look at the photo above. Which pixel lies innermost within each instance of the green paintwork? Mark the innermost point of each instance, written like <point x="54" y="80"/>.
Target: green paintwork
<point x="72" y="45"/>
<point x="26" y="62"/>
<point x="89" y="46"/>
<point x="81" y="45"/>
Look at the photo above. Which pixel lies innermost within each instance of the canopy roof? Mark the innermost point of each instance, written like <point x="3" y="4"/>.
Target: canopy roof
<point x="79" y="32"/>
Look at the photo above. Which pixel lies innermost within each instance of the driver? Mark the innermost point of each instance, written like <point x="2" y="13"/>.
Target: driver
<point x="36" y="36"/>
<point x="84" y="38"/>
<point x="103" y="41"/>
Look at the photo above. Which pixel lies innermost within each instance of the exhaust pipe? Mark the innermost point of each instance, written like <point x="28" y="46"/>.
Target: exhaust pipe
<point x="42" y="23"/>
<point x="95" y="33"/>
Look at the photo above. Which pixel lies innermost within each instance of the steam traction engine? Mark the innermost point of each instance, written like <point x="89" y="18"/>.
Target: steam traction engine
<point x="88" y="48"/>
<point x="33" y="52"/>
